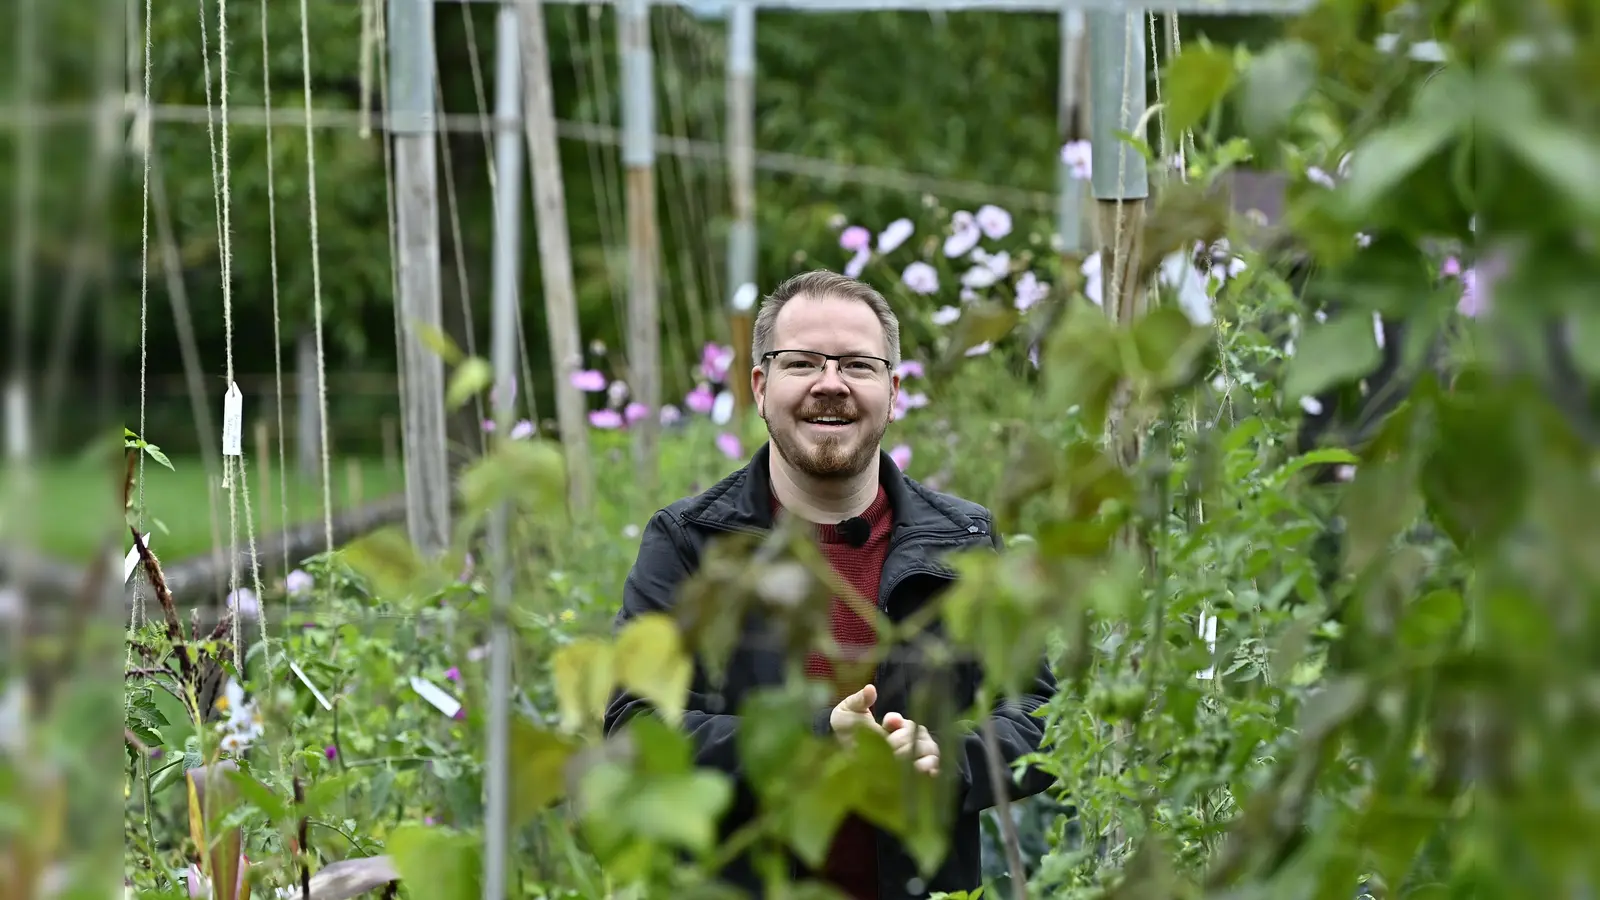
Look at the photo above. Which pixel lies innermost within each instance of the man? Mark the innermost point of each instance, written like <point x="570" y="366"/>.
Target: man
<point x="826" y="350"/>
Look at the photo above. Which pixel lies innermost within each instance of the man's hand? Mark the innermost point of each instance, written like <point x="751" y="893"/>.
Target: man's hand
<point x="855" y="711"/>
<point x="907" y="738"/>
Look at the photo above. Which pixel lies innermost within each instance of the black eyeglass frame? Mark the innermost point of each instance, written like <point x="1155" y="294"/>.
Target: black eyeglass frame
<point x="837" y="359"/>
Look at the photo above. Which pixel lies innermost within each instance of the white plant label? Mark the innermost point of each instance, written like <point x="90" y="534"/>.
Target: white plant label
<point x="1208" y="633"/>
<point x="131" y="561"/>
<point x="300" y="674"/>
<point x="233" y="422"/>
<point x="436" y="696"/>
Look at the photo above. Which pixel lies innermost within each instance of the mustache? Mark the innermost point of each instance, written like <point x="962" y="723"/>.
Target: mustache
<point x="838" y="412"/>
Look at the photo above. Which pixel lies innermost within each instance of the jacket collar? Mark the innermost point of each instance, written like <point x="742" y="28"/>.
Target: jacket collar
<point x="743" y="500"/>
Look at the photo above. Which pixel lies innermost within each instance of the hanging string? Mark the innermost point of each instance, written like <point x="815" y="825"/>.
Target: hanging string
<point x="145" y="137"/>
<point x="316" y="278"/>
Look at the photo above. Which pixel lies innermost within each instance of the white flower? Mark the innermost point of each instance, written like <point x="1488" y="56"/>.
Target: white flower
<point x="894" y="234"/>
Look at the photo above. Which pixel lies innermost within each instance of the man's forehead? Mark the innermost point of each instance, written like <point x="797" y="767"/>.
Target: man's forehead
<point x="830" y="316"/>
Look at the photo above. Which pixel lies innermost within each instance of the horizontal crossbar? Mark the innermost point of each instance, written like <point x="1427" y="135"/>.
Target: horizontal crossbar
<point x="719" y="7"/>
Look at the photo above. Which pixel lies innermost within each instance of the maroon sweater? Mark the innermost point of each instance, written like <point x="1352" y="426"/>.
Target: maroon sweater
<point x="852" y="863"/>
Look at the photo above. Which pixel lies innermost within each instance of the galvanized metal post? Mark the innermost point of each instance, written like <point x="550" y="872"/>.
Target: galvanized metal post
<point x="1120" y="181"/>
<point x="411" y="74"/>
<point x="1070" y="211"/>
<point x="639" y="156"/>
<point x="507" y="267"/>
<point x="742" y="174"/>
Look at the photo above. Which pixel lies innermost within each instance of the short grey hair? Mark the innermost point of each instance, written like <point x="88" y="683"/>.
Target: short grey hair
<point x="821" y="283"/>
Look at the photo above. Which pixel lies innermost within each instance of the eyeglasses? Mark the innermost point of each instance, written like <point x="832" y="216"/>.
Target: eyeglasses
<point x="809" y="362"/>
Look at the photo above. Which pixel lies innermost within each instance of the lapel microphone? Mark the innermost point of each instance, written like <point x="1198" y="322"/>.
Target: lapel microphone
<point x="855" y="531"/>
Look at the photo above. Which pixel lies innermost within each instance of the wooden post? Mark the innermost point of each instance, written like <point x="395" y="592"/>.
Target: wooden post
<point x="411" y="72"/>
<point x="639" y="156"/>
<point x="555" y="253"/>
<point x="742" y="288"/>
<point x="263" y="436"/>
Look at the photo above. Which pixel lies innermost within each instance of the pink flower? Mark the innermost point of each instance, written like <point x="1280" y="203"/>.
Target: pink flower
<point x="670" y="415"/>
<point x="1030" y="290"/>
<point x="617" y="392"/>
<point x="855" y="239"/>
<point x="901" y="454"/>
<point x="995" y="222"/>
<point x="700" y="399"/>
<point x="634" y="412"/>
<point x="1451" y="268"/>
<point x="944" y="315"/>
<point x="605" y="418"/>
<point x="909" y="369"/>
<point x="894" y="235"/>
<point x="906" y="401"/>
<point x="461" y="714"/>
<point x="730" y="446"/>
<point x="589" y="381"/>
<point x="452" y="674"/>
<point x="297" y="582"/>
<point x="522" y="430"/>
<point x="1078" y="158"/>
<point x="920" y="278"/>
<point x="715" y="361"/>
<point x="330" y="751"/>
<point x="857" y="264"/>
<point x="964" y="234"/>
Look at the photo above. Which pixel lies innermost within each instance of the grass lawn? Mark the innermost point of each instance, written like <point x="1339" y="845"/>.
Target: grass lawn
<point x="74" y="503"/>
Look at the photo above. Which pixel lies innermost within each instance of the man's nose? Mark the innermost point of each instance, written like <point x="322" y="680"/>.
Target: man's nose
<point x="830" y="381"/>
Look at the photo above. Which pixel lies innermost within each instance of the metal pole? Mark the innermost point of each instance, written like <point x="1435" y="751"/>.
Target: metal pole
<point x="507" y="275"/>
<point x="1069" y="213"/>
<point x="639" y="156"/>
<point x="17" y="417"/>
<point x="1120" y="182"/>
<point x="742" y="174"/>
<point x="411" y="74"/>
<point x="555" y="253"/>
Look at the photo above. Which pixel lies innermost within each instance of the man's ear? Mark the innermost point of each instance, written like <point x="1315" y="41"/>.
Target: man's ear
<point x="758" y="389"/>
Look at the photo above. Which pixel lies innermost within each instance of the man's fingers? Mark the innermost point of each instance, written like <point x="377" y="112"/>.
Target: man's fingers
<point x="894" y="721"/>
<point x="861" y="701"/>
<point x="928" y="765"/>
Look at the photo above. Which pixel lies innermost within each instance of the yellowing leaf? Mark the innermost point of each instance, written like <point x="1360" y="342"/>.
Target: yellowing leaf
<point x="438" y="342"/>
<point x="584" y="677"/>
<point x="652" y="663"/>
<point x="538" y="768"/>
<point x="469" y="378"/>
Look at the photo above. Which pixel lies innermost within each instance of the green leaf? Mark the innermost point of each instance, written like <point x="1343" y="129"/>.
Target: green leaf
<point x="1476" y="433"/>
<point x="156" y="454"/>
<point x="1389" y="157"/>
<point x="252" y="791"/>
<point x="470" y="378"/>
<point x="438" y="342"/>
<point x="774" y="726"/>
<point x="538" y="768"/>
<point x="980" y="323"/>
<point x="1332" y="353"/>
<point x="1274" y="84"/>
<point x="1586" y="340"/>
<point x="1168" y="346"/>
<point x="437" y="863"/>
<point x="1196" y="81"/>
<point x="584" y="673"/>
<point x="530" y="475"/>
<point x="652" y="663"/>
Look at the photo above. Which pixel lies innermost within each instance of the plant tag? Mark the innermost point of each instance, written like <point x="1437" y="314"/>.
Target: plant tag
<point x="131" y="562"/>
<point x="436" y="696"/>
<point x="300" y="674"/>
<point x="233" y="422"/>
<point x="1208" y="633"/>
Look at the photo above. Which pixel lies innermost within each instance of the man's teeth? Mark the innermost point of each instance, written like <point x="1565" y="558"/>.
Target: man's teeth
<point x="829" y="420"/>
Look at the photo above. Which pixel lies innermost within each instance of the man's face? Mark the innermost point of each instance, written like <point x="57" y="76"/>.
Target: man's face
<point x="826" y="417"/>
